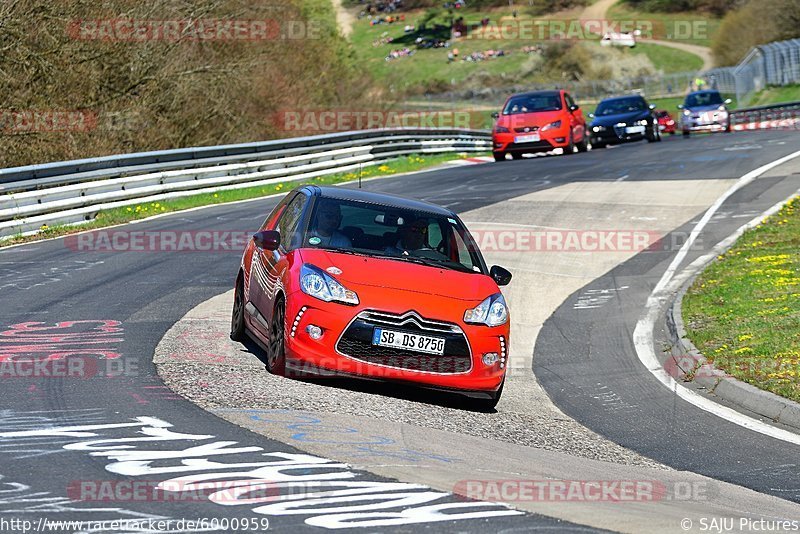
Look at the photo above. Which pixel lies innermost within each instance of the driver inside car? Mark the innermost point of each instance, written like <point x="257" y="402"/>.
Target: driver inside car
<point x="412" y="235"/>
<point x="325" y="230"/>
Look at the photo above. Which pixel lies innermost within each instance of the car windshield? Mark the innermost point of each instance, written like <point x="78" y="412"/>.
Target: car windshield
<point x="532" y="103"/>
<point x="703" y="99"/>
<point x="396" y="233"/>
<point x="619" y="106"/>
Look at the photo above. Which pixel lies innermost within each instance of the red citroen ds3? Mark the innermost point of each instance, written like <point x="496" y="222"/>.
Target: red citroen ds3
<point x="540" y="121"/>
<point x="347" y="282"/>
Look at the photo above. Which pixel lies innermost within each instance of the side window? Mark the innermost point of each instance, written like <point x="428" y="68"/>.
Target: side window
<point x="272" y="218"/>
<point x="290" y="219"/>
<point x="569" y="100"/>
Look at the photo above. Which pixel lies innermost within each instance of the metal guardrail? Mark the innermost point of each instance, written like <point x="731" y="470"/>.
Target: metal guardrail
<point x="75" y="191"/>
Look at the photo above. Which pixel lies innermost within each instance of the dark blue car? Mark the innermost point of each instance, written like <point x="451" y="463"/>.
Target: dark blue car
<point x="622" y="119"/>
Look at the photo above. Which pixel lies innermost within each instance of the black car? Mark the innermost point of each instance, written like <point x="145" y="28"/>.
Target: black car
<point x="623" y="118"/>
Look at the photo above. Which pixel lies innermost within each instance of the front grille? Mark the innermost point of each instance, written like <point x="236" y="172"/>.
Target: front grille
<point x="356" y="343"/>
<point x="537" y="145"/>
<point x="526" y="129"/>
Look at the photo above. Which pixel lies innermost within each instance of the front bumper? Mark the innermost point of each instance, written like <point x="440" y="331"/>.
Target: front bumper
<point x="708" y="121"/>
<point x="461" y="368"/>
<point x="548" y="140"/>
<point x="618" y="134"/>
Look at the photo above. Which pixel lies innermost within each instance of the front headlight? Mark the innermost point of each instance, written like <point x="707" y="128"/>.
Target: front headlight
<point x="501" y="129"/>
<point x="491" y="312"/>
<point x="319" y="284"/>
<point x="686" y="112"/>
<point x="721" y="108"/>
<point x="642" y="122"/>
<point x="551" y="126"/>
<point x="596" y="129"/>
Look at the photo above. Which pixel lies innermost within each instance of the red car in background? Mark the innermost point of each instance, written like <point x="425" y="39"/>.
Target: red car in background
<point x="665" y="122"/>
<point x="348" y="282"/>
<point x="539" y="121"/>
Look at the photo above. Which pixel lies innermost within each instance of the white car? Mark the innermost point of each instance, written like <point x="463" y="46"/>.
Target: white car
<point x="619" y="39"/>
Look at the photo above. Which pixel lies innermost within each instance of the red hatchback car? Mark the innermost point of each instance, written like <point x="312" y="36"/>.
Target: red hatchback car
<point x="540" y="121"/>
<point x="348" y="282"/>
<point x="665" y="122"/>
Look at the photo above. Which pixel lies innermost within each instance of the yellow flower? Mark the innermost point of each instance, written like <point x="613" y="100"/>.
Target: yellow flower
<point x="745" y="337"/>
<point x="216" y="195"/>
<point x="129" y="209"/>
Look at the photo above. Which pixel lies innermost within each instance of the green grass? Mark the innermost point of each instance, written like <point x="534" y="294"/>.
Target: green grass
<point x="668" y="59"/>
<point x="743" y="312"/>
<point x="776" y="95"/>
<point x="667" y="26"/>
<point x="140" y="211"/>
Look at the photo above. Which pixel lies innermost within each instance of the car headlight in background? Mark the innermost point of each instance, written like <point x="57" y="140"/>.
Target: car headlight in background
<point x="491" y="312"/>
<point x="642" y="122"/>
<point x="551" y="126"/>
<point x="319" y="284"/>
<point x="501" y="129"/>
<point x="721" y="108"/>
<point x="596" y="129"/>
<point x="686" y="112"/>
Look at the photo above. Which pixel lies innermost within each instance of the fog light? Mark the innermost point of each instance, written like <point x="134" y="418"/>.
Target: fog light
<point x="314" y="331"/>
<point x="560" y="139"/>
<point x="490" y="358"/>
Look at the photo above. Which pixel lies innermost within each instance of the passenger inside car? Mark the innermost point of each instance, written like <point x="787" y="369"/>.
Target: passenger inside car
<point x="325" y="228"/>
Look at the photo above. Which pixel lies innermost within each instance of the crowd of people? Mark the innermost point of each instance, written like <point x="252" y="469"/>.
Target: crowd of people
<point x="397" y="54"/>
<point x="480" y="56"/>
<point x="389" y="19"/>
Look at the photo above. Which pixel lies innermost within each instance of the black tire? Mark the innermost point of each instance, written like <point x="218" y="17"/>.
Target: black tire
<point x="276" y="355"/>
<point x="583" y="146"/>
<point x="237" y="317"/>
<point x="655" y="135"/>
<point x="516" y="155"/>
<point x="570" y="148"/>
<point x="728" y="128"/>
<point x="499" y="156"/>
<point x="686" y="133"/>
<point x="598" y="145"/>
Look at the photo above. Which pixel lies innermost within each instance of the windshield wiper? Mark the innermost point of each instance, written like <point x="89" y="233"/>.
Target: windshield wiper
<point x="432" y="263"/>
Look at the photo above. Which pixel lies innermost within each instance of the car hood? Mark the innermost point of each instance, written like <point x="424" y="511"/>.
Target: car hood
<point x="627" y="118"/>
<point x="539" y="119"/>
<point x="702" y="109"/>
<point x="358" y="270"/>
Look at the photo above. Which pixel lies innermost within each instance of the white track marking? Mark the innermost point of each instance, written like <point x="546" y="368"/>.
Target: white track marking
<point x="643" y="333"/>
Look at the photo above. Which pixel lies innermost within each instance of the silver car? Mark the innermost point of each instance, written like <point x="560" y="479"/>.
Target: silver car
<point x="705" y="111"/>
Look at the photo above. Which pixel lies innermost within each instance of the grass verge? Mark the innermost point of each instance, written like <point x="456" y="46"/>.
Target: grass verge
<point x="743" y="311"/>
<point x="775" y="95"/>
<point x="135" y="211"/>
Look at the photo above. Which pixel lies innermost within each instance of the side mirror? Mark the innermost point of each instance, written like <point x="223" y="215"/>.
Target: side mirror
<point x="574" y="107"/>
<point x="591" y="115"/>
<point x="495" y="115"/>
<point x="652" y="106"/>
<point x="267" y="239"/>
<point x="728" y="101"/>
<point x="680" y="106"/>
<point x="501" y="276"/>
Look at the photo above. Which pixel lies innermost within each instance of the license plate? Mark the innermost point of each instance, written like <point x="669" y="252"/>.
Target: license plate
<point x="634" y="129"/>
<point x="404" y="340"/>
<point x="532" y="138"/>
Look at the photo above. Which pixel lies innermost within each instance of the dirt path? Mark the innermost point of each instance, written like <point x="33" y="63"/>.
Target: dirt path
<point x="344" y="18"/>
<point x="599" y="11"/>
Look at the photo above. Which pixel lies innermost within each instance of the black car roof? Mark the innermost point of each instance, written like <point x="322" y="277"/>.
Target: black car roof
<point x="703" y="91"/>
<point x="342" y="193"/>
<point x="549" y="92"/>
<point x="621" y="97"/>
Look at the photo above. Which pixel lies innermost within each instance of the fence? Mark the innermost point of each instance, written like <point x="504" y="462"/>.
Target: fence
<point x="75" y="191"/>
<point x="775" y="64"/>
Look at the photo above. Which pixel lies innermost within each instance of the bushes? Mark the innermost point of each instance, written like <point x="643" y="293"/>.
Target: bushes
<point x="715" y="7"/>
<point x="162" y="94"/>
<point x="757" y="22"/>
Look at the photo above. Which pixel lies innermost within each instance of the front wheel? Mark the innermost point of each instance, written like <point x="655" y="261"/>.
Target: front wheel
<point x="516" y="155"/>
<point x="686" y="133"/>
<point x="237" y="317"/>
<point x="499" y="156"/>
<point x="570" y="148"/>
<point x="276" y="358"/>
<point x="584" y="145"/>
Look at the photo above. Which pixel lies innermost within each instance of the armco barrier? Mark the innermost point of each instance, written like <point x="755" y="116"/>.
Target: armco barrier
<point x="75" y="191"/>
